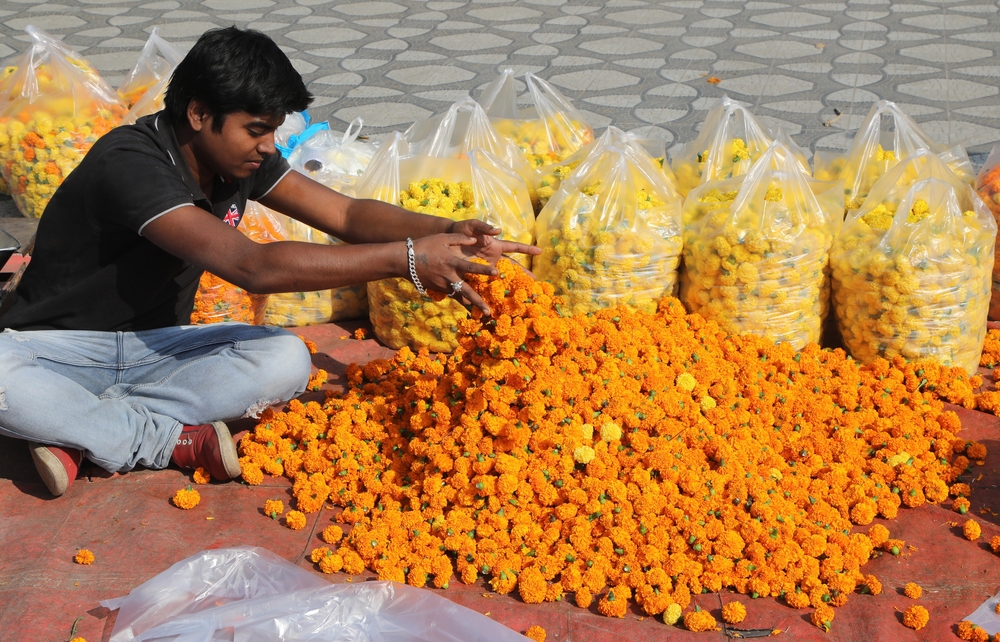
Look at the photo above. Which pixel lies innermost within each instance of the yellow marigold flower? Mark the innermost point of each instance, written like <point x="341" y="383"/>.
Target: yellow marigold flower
<point x="698" y="621"/>
<point x="201" y="476"/>
<point x="583" y="454"/>
<point x="186" y="498"/>
<point x="822" y="617"/>
<point x="332" y="534"/>
<point x="686" y="382"/>
<point x="295" y="520"/>
<point x="916" y="617"/>
<point x="83" y="556"/>
<point x="672" y="614"/>
<point x="913" y="590"/>
<point x="734" y="612"/>
<point x="535" y="633"/>
<point x="971" y="530"/>
<point x="611" y="431"/>
<point x="707" y="403"/>
<point x="588" y="431"/>
<point x="274" y="508"/>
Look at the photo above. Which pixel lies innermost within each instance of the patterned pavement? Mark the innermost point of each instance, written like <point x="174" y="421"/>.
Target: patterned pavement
<point x="635" y="64"/>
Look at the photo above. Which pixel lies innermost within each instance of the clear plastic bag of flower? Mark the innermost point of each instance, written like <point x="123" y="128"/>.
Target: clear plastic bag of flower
<point x="912" y="267"/>
<point x="4" y="72"/>
<point x="886" y="136"/>
<point x="548" y="184"/>
<point x="729" y="142"/>
<point x="988" y="187"/>
<point x="218" y="300"/>
<point x="478" y="186"/>
<point x="250" y="594"/>
<point x="156" y="63"/>
<point x="611" y="235"/>
<point x="328" y="157"/>
<point x="54" y="106"/>
<point x="757" y="249"/>
<point x="547" y="132"/>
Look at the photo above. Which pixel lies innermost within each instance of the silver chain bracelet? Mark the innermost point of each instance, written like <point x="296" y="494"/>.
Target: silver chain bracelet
<point x="411" y="260"/>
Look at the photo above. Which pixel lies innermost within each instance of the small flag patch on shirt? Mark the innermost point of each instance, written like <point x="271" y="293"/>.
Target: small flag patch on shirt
<point x="232" y="216"/>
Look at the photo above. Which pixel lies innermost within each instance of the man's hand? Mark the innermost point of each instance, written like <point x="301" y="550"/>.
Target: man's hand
<point x="487" y="245"/>
<point x="441" y="259"/>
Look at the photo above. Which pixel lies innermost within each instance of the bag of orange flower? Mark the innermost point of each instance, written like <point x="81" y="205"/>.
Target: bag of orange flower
<point x="547" y="132"/>
<point x="218" y="300"/>
<point x="480" y="186"/>
<point x="55" y="106"/>
<point x="757" y="249"/>
<point x="730" y="141"/>
<point x="912" y="268"/>
<point x="611" y="235"/>
<point x="6" y="71"/>
<point x="877" y="147"/>
<point x="153" y="69"/>
<point x="988" y="186"/>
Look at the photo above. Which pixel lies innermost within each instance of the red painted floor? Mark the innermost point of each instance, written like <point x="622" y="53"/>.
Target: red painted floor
<point x="130" y="525"/>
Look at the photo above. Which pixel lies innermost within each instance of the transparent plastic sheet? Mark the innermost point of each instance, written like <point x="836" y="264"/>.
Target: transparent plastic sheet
<point x="248" y="594"/>
<point x="156" y="63"/>
<point x="757" y="249"/>
<point x="478" y="187"/>
<point x="54" y="107"/>
<point x="327" y="156"/>
<point x="549" y="183"/>
<point x="611" y="235"/>
<point x="218" y="300"/>
<point x="877" y="148"/>
<point x="988" y="186"/>
<point x="730" y="141"/>
<point x="547" y="132"/>
<point x="912" y="268"/>
<point x="987" y="616"/>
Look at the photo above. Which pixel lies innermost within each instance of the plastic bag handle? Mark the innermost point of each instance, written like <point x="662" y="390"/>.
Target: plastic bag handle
<point x="350" y="135"/>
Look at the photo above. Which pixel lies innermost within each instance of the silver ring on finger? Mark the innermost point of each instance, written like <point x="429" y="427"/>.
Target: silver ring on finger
<point x="456" y="288"/>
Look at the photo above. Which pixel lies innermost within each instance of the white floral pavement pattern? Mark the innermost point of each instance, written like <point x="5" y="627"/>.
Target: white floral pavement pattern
<point x="636" y="64"/>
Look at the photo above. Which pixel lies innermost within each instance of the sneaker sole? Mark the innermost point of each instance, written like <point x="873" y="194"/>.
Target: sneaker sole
<point x="51" y="469"/>
<point x="227" y="449"/>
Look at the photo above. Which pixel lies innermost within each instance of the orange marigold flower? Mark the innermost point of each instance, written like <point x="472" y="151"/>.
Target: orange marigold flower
<point x="894" y="546"/>
<point x="535" y="633"/>
<point x="973" y="632"/>
<point x="531" y="586"/>
<point x="960" y="505"/>
<point x="584" y="597"/>
<point x="252" y="473"/>
<point x="360" y="334"/>
<point x="698" y="621"/>
<point x="78" y="639"/>
<point x="317" y="379"/>
<point x="331" y="563"/>
<point x="186" y="498"/>
<point x="873" y="585"/>
<point x="332" y="534"/>
<point x="274" y="508"/>
<point x="295" y="520"/>
<point x="734" y="612"/>
<point x="916" y="617"/>
<point x="615" y="602"/>
<point x="83" y="556"/>
<point x="201" y="476"/>
<point x="318" y="554"/>
<point x="822" y="617"/>
<point x="972" y="530"/>
<point x="975" y="451"/>
<point x="913" y="590"/>
<point x="310" y="345"/>
<point x="878" y="534"/>
<point x="995" y="543"/>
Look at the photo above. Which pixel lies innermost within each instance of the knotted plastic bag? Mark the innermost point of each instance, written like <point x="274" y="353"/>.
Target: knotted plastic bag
<point x="329" y="157"/>
<point x="547" y="132"/>
<point x="218" y="300"/>
<point x="757" y="249"/>
<point x="988" y="186"/>
<point x="729" y="142"/>
<point x="480" y="186"/>
<point x="611" y="235"/>
<point x="886" y="136"/>
<point x="249" y="594"/>
<point x="54" y="108"/>
<point x="912" y="268"/>
<point x="156" y="63"/>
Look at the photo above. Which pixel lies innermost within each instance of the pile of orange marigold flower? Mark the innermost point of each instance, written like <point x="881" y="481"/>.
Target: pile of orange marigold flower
<point x="646" y="457"/>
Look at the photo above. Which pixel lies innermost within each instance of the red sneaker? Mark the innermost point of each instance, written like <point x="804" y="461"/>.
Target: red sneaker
<point x="208" y="446"/>
<point x="57" y="465"/>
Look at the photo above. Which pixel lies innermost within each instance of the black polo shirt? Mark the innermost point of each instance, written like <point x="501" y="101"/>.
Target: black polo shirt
<point x="91" y="268"/>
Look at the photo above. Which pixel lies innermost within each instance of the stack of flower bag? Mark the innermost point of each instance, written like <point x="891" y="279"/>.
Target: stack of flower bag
<point x="757" y="249"/>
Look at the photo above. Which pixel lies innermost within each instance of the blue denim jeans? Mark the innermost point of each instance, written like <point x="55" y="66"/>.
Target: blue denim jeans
<point x="122" y="397"/>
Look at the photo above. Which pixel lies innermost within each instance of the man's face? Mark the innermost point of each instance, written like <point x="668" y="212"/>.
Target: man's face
<point x="236" y="150"/>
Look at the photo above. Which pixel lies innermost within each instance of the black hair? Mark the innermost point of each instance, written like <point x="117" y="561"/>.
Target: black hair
<point x="233" y="70"/>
